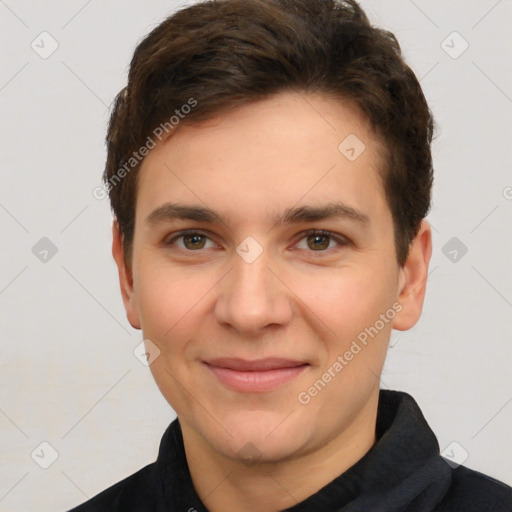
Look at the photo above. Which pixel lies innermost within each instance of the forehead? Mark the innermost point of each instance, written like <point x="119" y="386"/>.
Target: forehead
<point x="266" y="156"/>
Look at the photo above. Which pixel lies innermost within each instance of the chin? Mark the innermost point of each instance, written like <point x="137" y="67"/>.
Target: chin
<point x="259" y="436"/>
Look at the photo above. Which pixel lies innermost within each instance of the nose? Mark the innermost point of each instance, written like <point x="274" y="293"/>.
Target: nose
<point x="253" y="296"/>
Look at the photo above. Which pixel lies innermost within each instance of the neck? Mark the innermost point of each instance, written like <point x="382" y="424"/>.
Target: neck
<point x="227" y="485"/>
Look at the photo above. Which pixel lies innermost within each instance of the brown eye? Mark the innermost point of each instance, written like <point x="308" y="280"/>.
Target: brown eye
<point x="318" y="241"/>
<point x="191" y="241"/>
<point x="321" y="241"/>
<point x="194" y="241"/>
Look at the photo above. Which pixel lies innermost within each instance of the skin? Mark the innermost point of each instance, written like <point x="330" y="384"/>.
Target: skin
<point x="294" y="301"/>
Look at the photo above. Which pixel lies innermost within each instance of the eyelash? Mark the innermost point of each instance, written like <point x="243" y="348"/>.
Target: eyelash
<point x="339" y="239"/>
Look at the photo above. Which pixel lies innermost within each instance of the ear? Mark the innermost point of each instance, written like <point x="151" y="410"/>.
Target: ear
<point x="125" y="278"/>
<point x="413" y="279"/>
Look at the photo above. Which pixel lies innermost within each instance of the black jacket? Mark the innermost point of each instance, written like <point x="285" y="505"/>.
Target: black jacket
<point x="402" y="472"/>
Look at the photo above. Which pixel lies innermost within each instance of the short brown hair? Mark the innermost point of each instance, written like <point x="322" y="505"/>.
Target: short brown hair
<point x="225" y="53"/>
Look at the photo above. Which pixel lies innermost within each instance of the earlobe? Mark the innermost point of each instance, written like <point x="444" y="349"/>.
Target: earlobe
<point x="413" y="279"/>
<point x="125" y="278"/>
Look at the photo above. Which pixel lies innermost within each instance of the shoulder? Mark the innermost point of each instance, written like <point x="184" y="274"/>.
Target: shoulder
<point x="144" y="490"/>
<point x="136" y="493"/>
<point x="471" y="490"/>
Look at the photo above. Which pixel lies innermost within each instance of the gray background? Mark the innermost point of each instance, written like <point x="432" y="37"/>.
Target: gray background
<point x="68" y="376"/>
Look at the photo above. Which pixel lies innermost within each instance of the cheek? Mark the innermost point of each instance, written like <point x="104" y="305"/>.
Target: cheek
<point x="170" y="302"/>
<point x="350" y="303"/>
<point x="345" y="299"/>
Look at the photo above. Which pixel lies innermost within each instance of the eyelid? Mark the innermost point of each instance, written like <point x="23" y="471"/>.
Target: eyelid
<point x="180" y="234"/>
<point x="341" y="240"/>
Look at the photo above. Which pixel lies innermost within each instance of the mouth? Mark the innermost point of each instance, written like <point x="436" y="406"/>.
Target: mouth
<point x="255" y="376"/>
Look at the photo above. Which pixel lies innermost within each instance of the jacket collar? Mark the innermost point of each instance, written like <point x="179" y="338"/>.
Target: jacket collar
<point x="402" y="471"/>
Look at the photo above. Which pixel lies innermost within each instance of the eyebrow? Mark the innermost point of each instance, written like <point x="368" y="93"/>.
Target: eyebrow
<point x="173" y="211"/>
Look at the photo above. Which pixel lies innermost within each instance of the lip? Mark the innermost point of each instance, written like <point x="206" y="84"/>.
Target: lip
<point x="255" y="376"/>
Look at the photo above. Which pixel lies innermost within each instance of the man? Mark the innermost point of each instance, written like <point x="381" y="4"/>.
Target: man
<point x="269" y="170"/>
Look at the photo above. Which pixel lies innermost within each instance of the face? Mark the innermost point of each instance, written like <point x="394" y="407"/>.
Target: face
<point x="265" y="275"/>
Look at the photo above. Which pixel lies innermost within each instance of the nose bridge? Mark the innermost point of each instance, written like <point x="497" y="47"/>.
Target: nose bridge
<point x="251" y="296"/>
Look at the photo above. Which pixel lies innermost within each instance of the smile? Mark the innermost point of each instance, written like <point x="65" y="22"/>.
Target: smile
<point x="255" y="376"/>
